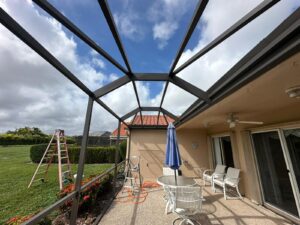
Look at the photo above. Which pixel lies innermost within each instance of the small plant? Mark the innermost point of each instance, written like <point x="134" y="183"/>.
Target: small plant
<point x="18" y="220"/>
<point x="87" y="196"/>
<point x="21" y="219"/>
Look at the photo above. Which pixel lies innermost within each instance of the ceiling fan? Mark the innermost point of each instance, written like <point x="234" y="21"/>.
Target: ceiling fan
<point x="233" y="120"/>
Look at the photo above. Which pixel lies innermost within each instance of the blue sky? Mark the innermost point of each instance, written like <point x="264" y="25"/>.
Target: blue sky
<point x="33" y="93"/>
<point x="144" y="51"/>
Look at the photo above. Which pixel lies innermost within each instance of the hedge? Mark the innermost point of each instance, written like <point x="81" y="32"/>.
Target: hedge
<point x="93" y="154"/>
<point x="12" y="139"/>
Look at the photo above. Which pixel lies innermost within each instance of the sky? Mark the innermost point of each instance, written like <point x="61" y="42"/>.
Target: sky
<point x="33" y="93"/>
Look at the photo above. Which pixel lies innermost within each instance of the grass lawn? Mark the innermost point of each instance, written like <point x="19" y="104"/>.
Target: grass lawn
<point x="16" y="171"/>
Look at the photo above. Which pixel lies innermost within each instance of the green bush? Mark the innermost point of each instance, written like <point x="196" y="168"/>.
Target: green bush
<point x="14" y="139"/>
<point x="36" y="152"/>
<point x="93" y="154"/>
<point x="123" y="148"/>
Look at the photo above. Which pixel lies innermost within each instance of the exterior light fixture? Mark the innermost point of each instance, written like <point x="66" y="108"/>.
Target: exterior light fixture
<point x="293" y="92"/>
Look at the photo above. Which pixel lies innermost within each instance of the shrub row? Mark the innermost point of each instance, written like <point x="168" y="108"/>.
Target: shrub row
<point x="12" y="139"/>
<point x="93" y="154"/>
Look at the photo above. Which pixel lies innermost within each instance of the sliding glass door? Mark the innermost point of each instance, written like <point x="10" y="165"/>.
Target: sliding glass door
<point x="277" y="155"/>
<point x="223" y="151"/>
<point x="293" y="144"/>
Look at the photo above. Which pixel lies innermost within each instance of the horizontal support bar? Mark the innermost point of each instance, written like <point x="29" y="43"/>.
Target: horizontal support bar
<point x="111" y="86"/>
<point x="150" y="109"/>
<point x="265" y="5"/>
<point x="45" y="5"/>
<point x="175" y="80"/>
<point x="164" y="127"/>
<point x="38" y="217"/>
<point x="102" y="175"/>
<point x="150" y="76"/>
<point x="132" y="113"/>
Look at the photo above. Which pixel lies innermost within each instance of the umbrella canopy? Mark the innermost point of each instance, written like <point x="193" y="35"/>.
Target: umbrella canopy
<point x="173" y="159"/>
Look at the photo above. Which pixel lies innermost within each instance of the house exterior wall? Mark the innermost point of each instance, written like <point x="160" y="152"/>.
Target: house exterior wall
<point x="196" y="152"/>
<point x="150" y="145"/>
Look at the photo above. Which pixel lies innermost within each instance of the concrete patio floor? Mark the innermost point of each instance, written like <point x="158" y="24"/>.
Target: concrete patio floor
<point x="215" y="211"/>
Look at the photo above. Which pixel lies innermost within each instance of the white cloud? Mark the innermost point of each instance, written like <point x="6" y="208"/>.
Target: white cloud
<point x="163" y="32"/>
<point x="128" y="24"/>
<point x="165" y="16"/>
<point x="32" y="92"/>
<point x="218" y="17"/>
<point x="99" y="63"/>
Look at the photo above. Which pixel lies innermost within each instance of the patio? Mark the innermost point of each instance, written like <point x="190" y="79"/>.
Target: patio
<point x="256" y="75"/>
<point x="215" y="209"/>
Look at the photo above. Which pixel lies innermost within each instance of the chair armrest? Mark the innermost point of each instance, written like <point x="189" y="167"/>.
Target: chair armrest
<point x="232" y="180"/>
<point x="207" y="171"/>
<point x="218" y="175"/>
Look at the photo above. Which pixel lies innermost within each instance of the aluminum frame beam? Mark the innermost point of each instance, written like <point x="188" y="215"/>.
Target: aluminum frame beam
<point x="113" y="28"/>
<point x="51" y="10"/>
<point x="189" y="88"/>
<point x="132" y="113"/>
<point x="80" y="168"/>
<point x="111" y="86"/>
<point x="117" y="157"/>
<point x="149" y="109"/>
<point x="195" y="19"/>
<point x="150" y="76"/>
<point x="258" y="10"/>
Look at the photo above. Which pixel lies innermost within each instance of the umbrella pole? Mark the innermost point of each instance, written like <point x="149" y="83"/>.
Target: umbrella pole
<point x="175" y="177"/>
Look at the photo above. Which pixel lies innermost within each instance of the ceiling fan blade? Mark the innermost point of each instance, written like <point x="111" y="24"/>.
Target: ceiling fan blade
<point x="250" y="122"/>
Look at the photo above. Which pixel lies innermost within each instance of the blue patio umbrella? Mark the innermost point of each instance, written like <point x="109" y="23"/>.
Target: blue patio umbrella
<point x="173" y="159"/>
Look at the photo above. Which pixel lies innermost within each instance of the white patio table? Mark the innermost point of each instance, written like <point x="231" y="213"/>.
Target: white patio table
<point x="170" y="181"/>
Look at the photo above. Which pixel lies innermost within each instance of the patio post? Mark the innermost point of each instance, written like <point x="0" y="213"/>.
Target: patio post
<point x="129" y="145"/>
<point x="117" y="157"/>
<point x="81" y="161"/>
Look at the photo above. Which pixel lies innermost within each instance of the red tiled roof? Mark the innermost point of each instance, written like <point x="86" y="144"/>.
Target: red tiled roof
<point x="148" y="120"/>
<point x="151" y="120"/>
<point x="123" y="132"/>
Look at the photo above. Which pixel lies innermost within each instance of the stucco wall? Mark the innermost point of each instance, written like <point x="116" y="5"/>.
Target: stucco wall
<point x="150" y="146"/>
<point x="196" y="152"/>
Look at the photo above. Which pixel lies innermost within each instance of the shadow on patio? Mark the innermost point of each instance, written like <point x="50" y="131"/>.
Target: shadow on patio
<point x="215" y="211"/>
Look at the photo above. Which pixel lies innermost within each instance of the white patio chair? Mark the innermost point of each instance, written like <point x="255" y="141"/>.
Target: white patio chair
<point x="133" y="166"/>
<point x="167" y="171"/>
<point x="218" y="173"/>
<point x="169" y="197"/>
<point x="232" y="180"/>
<point x="187" y="202"/>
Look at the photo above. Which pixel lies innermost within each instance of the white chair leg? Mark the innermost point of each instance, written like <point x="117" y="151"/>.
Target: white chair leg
<point x="224" y="190"/>
<point x="238" y="191"/>
<point x="167" y="207"/>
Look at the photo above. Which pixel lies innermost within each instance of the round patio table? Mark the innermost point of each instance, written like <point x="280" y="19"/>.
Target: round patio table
<point x="181" y="181"/>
